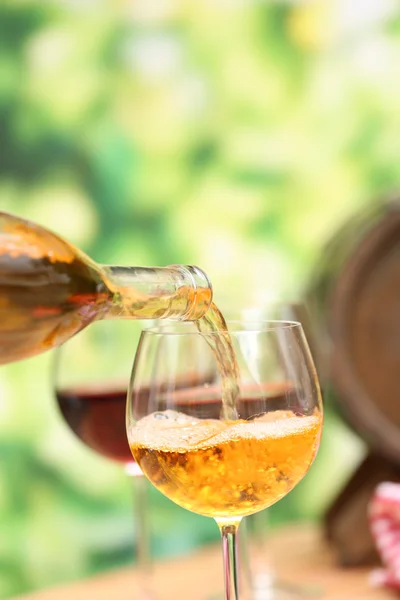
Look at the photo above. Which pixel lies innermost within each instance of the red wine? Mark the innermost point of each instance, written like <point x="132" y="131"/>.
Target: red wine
<point x="96" y="414"/>
<point x="97" y="417"/>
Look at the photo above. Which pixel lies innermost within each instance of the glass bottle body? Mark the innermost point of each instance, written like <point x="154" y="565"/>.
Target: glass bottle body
<point x="50" y="290"/>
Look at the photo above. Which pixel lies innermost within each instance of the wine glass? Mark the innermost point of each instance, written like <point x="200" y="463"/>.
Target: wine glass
<point x="210" y="456"/>
<point x="90" y="380"/>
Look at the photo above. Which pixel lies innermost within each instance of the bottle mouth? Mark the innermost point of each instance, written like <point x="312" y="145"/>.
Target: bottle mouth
<point x="202" y="291"/>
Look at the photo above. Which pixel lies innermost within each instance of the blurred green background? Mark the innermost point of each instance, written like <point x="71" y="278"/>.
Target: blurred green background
<point x="233" y="135"/>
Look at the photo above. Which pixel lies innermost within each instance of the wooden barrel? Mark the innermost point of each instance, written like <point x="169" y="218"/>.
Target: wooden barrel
<point x="354" y="305"/>
<point x="354" y="301"/>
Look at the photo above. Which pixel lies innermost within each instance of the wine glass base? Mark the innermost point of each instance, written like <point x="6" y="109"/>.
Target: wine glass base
<point x="265" y="587"/>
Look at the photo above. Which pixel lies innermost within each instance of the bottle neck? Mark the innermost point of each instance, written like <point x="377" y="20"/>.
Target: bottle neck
<point x="179" y="292"/>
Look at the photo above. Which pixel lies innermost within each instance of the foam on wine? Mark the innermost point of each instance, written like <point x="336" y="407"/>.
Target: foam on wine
<point x="176" y="432"/>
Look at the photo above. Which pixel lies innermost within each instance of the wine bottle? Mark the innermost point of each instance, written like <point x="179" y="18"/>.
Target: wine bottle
<point x="50" y="290"/>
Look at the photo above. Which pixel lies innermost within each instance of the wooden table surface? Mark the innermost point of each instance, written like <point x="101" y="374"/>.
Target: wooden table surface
<point x="299" y="555"/>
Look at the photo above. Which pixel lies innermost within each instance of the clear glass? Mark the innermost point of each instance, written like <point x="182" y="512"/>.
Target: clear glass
<point x="90" y="381"/>
<point x="225" y="469"/>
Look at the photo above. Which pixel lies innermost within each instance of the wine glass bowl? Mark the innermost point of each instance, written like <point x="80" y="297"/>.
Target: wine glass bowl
<point x="208" y="455"/>
<point x="90" y="380"/>
<point x="96" y="414"/>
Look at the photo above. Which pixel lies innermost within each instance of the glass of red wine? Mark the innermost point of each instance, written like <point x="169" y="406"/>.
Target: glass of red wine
<point x="90" y="377"/>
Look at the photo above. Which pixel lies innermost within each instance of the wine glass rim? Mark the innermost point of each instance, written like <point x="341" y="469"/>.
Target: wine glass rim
<point x="235" y="326"/>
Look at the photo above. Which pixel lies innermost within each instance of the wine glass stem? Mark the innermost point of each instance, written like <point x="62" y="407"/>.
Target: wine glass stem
<point x="229" y="551"/>
<point x="245" y="567"/>
<point x="142" y="522"/>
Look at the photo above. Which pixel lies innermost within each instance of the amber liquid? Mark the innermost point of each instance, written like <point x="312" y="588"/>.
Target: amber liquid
<point x="222" y="348"/>
<point x="225" y="469"/>
<point x="43" y="303"/>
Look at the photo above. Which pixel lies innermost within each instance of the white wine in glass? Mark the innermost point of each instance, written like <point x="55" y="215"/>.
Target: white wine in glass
<point x="225" y="468"/>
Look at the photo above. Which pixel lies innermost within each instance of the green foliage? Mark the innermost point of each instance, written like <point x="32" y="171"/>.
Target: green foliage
<point x="233" y="135"/>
